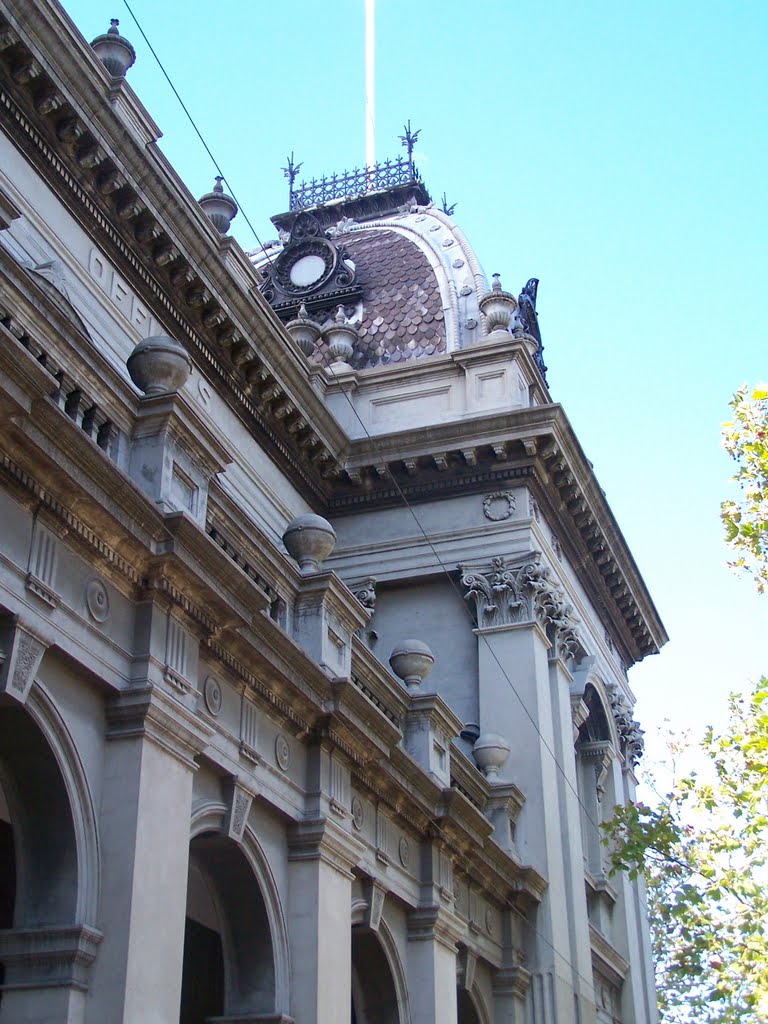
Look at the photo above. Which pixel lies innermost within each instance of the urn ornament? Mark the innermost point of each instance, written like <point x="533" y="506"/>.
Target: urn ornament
<point x="491" y="752"/>
<point x="304" y="330"/>
<point x="114" y="51"/>
<point x="309" y="539"/>
<point x="220" y="208"/>
<point x="498" y="307"/>
<point x="412" y="661"/>
<point x="159" y="365"/>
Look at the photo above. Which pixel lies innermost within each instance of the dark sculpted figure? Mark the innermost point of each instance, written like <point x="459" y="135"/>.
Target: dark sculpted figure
<point x="529" y="321"/>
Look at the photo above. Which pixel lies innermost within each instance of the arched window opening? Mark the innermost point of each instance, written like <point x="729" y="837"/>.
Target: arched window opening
<point x="228" y="957"/>
<point x="467" y="1011"/>
<point x="374" y="994"/>
<point x="38" y="849"/>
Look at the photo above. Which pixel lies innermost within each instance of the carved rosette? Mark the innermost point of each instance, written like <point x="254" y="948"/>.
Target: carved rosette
<point x="630" y="733"/>
<point x="504" y="594"/>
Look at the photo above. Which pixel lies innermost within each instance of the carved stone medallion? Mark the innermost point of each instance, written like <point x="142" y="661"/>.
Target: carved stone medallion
<point x="97" y="600"/>
<point x="358" y="813"/>
<point x="498" y="506"/>
<point x="404" y="851"/>
<point x="282" y="752"/>
<point x="212" y="695"/>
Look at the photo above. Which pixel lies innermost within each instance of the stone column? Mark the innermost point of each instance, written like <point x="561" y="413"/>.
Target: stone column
<point x="433" y="932"/>
<point x="510" y="995"/>
<point x="515" y="698"/>
<point x="321" y="855"/>
<point x="563" y="644"/>
<point x="144" y="826"/>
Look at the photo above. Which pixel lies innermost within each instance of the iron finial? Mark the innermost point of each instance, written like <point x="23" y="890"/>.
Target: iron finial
<point x="448" y="210"/>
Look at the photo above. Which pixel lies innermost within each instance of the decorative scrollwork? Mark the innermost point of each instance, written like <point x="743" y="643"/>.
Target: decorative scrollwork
<point x="630" y="733"/>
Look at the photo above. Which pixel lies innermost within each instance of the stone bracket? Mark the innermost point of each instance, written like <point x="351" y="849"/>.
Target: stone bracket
<point x="21" y="660"/>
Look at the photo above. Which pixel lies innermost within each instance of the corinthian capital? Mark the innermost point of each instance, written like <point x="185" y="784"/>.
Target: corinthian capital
<point x="504" y="592"/>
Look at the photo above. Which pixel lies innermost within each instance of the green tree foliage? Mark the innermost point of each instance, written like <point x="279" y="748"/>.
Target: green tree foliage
<point x="703" y="846"/>
<point x="746" y="522"/>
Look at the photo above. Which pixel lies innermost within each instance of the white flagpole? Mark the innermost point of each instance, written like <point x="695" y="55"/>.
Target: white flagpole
<point x="370" y="125"/>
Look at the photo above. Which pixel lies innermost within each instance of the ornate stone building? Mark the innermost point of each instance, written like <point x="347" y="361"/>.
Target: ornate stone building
<point x="314" y="619"/>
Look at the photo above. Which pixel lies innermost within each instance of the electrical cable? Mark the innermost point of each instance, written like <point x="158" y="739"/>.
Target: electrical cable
<point x="197" y="130"/>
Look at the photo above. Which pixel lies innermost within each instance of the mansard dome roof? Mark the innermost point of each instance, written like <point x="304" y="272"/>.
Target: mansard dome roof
<point x="402" y="310"/>
<point x="404" y="275"/>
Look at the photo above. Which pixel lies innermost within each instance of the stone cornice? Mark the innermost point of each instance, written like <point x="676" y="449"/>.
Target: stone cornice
<point x="131" y="202"/>
<point x="536" y="445"/>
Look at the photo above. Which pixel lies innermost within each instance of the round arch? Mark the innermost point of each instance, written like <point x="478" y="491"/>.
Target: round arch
<point x="244" y="895"/>
<point x="379" y="987"/>
<point x="47" y="795"/>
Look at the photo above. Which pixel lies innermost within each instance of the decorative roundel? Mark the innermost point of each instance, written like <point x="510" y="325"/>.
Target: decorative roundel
<point x="358" y="812"/>
<point x="404" y="851"/>
<point x="282" y="752"/>
<point x="498" y="506"/>
<point x="212" y="695"/>
<point x="97" y="600"/>
<point x="307" y="266"/>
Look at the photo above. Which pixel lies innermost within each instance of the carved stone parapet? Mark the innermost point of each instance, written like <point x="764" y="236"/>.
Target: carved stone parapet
<point x="326" y="617"/>
<point x="174" y="455"/>
<point x="429" y="727"/>
<point x="23" y="651"/>
<point x="502" y="808"/>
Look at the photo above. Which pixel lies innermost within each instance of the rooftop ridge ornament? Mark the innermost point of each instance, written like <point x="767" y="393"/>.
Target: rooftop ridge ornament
<point x="359" y="181"/>
<point x="409" y="140"/>
<point x="114" y="51"/>
<point x="447" y="210"/>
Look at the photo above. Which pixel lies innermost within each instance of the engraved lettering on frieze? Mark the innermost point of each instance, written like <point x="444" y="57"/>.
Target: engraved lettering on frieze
<point x="122" y="298"/>
<point x="499" y="506"/>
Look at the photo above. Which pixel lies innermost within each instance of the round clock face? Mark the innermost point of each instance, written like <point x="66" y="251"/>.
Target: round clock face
<point x="305" y="267"/>
<point x="306" y="271"/>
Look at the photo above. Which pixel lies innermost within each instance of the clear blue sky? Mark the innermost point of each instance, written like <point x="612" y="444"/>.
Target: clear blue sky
<point x="615" y="150"/>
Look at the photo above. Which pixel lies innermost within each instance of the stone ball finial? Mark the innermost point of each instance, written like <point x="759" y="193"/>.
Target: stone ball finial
<point x="491" y="752"/>
<point x="304" y="330"/>
<point x="498" y="307"/>
<point x="340" y="336"/>
<point x="220" y="208"/>
<point x="309" y="539"/>
<point x="114" y="51"/>
<point x="159" y="365"/>
<point x="412" y="661"/>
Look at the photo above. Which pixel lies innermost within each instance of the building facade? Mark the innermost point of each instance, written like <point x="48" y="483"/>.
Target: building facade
<point x="314" y="620"/>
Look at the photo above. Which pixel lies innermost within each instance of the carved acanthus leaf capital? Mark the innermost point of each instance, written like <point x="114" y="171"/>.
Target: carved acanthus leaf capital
<point x="630" y="733"/>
